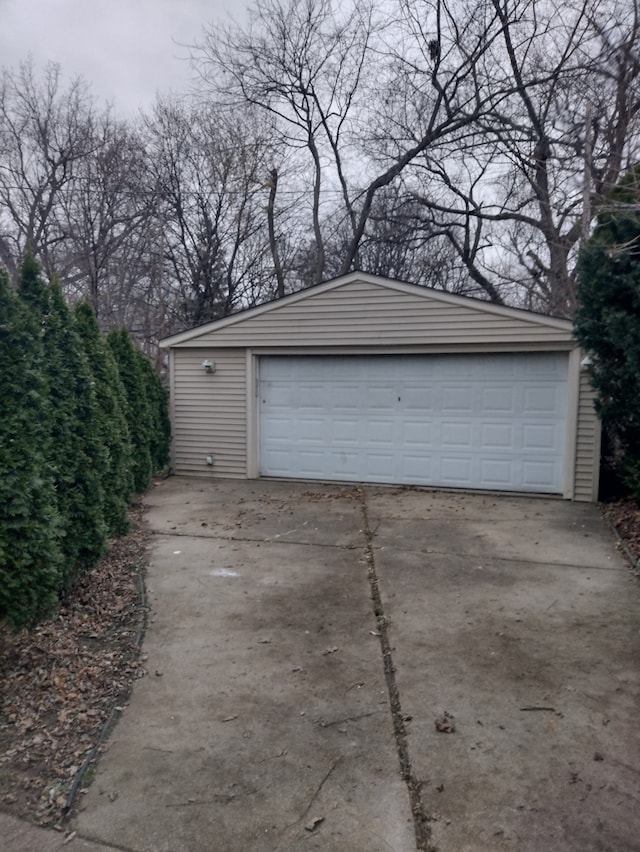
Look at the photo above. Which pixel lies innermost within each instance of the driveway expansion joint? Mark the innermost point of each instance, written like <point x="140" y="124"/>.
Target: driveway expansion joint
<point x="414" y="786"/>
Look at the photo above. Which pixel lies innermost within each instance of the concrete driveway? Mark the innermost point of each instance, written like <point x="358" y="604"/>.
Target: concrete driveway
<point x="352" y="669"/>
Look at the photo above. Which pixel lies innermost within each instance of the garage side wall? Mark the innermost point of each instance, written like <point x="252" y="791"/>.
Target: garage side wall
<point x="587" y="444"/>
<point x="209" y="412"/>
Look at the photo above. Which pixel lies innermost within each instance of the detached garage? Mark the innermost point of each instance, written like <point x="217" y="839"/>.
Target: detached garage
<point x="364" y="379"/>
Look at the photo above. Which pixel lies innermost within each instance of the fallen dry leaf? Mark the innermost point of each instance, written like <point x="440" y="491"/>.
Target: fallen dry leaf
<point x="60" y="681"/>
<point x="624" y="515"/>
<point x="445" y="724"/>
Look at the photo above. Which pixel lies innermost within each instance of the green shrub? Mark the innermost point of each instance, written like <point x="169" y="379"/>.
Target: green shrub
<point x="77" y="457"/>
<point x="137" y="409"/>
<point x="31" y="561"/>
<point x="607" y="322"/>
<point x="160" y="439"/>
<point x="111" y="425"/>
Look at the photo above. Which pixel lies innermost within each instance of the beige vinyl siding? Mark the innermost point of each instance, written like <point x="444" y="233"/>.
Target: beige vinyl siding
<point x="367" y="314"/>
<point x="587" y="444"/>
<point x="209" y="413"/>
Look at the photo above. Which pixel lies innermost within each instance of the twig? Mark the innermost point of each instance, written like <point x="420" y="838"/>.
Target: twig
<point x="546" y="709"/>
<point x="320" y="786"/>
<point x="324" y="724"/>
<point x="218" y="797"/>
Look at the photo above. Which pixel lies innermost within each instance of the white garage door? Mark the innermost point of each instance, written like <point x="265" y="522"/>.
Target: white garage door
<point x="481" y="421"/>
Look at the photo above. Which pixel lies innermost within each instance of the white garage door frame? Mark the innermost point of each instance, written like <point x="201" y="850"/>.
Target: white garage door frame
<point x="571" y="411"/>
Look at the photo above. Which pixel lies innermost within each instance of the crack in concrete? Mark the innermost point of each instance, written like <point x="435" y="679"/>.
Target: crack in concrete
<point x="104" y="846"/>
<point x="511" y="560"/>
<point x="418" y="809"/>
<point x="275" y="540"/>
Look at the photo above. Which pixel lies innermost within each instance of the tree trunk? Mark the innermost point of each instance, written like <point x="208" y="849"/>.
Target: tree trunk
<point x="273" y="245"/>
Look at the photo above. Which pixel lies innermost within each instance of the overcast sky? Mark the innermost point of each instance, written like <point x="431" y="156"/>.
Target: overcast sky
<point x="126" y="49"/>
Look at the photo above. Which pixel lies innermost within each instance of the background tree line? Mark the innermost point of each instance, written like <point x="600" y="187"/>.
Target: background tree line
<point x="83" y="425"/>
<point x="465" y="145"/>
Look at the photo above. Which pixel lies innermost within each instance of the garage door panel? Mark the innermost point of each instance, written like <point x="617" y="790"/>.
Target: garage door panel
<point x="497" y="436"/>
<point x="497" y="473"/>
<point x="311" y="461"/>
<point x="309" y="396"/>
<point x="495" y="421"/>
<point x="535" y="474"/>
<point x="540" y="400"/>
<point x="344" y="431"/>
<point x="381" y="399"/>
<point x="416" y="469"/>
<point x="378" y="431"/>
<point x="496" y="368"/>
<point x="455" y="470"/>
<point x="540" y="436"/>
<point x="382" y="466"/>
<point x="416" y="434"/>
<point x="456" y="435"/>
<point x="280" y="394"/>
<point x="457" y="399"/>
<point x="347" y="396"/>
<point x="277" y="428"/>
<point x="497" y="400"/>
<point x="346" y="462"/>
<point x="311" y="428"/>
<point x="416" y="399"/>
<point x="543" y="367"/>
<point x="279" y="461"/>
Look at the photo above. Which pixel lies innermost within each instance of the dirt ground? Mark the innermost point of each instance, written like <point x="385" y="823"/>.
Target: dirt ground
<point x="62" y="685"/>
<point x="624" y="517"/>
<point x="62" y="682"/>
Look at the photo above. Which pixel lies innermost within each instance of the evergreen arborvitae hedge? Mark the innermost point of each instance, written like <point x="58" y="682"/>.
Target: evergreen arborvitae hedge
<point x="607" y="322"/>
<point x="138" y="409"/>
<point x="31" y="561"/>
<point x="110" y="422"/>
<point x="159" y="409"/>
<point x="83" y="423"/>
<point x="77" y="457"/>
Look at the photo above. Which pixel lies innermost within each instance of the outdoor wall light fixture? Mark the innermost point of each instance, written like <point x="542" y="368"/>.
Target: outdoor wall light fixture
<point x="586" y="362"/>
<point x="209" y="366"/>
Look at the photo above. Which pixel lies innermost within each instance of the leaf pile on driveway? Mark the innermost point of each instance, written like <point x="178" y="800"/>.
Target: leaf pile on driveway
<point x="60" y="682"/>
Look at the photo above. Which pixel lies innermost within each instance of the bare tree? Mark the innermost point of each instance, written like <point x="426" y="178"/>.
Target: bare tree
<point x="46" y="129"/>
<point x="366" y="96"/>
<point x="106" y="221"/>
<point x="209" y="175"/>
<point x="518" y="194"/>
<point x="273" y="240"/>
<point x="466" y="146"/>
<point x="398" y="243"/>
<point x="304" y="64"/>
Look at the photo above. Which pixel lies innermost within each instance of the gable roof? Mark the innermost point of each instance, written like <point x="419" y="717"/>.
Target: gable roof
<point x="349" y="309"/>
